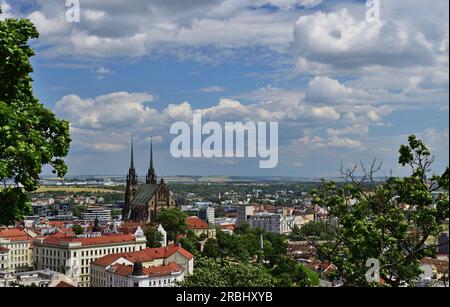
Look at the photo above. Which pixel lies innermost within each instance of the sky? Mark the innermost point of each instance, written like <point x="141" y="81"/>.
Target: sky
<point x="342" y="89"/>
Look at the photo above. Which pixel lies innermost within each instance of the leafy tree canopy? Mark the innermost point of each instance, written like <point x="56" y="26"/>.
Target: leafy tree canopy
<point x="218" y="273"/>
<point x="395" y="221"/>
<point x="30" y="135"/>
<point x="174" y="222"/>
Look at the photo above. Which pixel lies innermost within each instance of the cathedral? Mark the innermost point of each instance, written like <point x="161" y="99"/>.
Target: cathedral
<point x="143" y="201"/>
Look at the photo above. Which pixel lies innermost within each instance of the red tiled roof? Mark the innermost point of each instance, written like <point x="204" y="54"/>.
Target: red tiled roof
<point x="126" y="270"/>
<point x="231" y="227"/>
<point x="56" y="223"/>
<point x="144" y="255"/>
<point x="63" y="284"/>
<point x="14" y="234"/>
<point x="90" y="241"/>
<point x="194" y="222"/>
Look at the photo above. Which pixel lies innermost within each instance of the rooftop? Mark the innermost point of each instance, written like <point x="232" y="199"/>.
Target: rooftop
<point x="194" y="222"/>
<point x="127" y="270"/>
<point x="144" y="255"/>
<point x="14" y="234"/>
<point x="101" y="240"/>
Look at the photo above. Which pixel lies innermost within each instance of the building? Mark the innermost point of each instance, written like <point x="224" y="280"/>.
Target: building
<point x="4" y="258"/>
<point x="244" y="212"/>
<point x="134" y="275"/>
<point x="41" y="279"/>
<point x="272" y="222"/>
<point x="200" y="227"/>
<point x="103" y="268"/>
<point x="73" y="255"/>
<point x="207" y="213"/>
<point x="102" y="214"/>
<point x="143" y="201"/>
<point x="17" y="251"/>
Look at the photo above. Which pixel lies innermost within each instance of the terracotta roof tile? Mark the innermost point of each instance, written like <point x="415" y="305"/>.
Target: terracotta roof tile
<point x="194" y="222"/>
<point x="126" y="270"/>
<point x="145" y="255"/>
<point x="63" y="284"/>
<point x="14" y="234"/>
<point x="102" y="240"/>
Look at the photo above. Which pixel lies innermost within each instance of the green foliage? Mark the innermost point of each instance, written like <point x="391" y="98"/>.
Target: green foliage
<point x="30" y="135"/>
<point x="173" y="221"/>
<point x="14" y="204"/>
<point x="211" y="249"/>
<point x="77" y="229"/>
<point x="290" y="274"/>
<point x="154" y="237"/>
<point x="78" y="210"/>
<point x="391" y="221"/>
<point x="220" y="273"/>
<point x="315" y="229"/>
<point x="190" y="243"/>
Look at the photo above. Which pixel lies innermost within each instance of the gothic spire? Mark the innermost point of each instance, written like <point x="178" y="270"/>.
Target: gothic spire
<point x="132" y="178"/>
<point x="151" y="153"/>
<point x="132" y="153"/>
<point x="151" y="175"/>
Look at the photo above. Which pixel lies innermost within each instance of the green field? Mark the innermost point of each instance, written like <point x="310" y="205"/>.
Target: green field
<point x="77" y="189"/>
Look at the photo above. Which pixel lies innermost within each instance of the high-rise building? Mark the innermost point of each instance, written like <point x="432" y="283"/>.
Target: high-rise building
<point x="244" y="213"/>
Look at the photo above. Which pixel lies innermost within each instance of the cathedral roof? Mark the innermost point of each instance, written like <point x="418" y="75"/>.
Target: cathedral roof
<point x="144" y="194"/>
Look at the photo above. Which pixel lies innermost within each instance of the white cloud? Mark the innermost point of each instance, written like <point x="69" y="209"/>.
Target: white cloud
<point x="102" y="72"/>
<point x="212" y="89"/>
<point x="324" y="89"/>
<point x="340" y="40"/>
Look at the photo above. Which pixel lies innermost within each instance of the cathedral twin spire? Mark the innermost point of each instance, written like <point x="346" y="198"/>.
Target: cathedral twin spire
<point x="132" y="178"/>
<point x="151" y="175"/>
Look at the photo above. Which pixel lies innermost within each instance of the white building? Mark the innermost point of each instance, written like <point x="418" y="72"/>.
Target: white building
<point x="207" y="214"/>
<point x="272" y="222"/>
<point x="102" y="214"/>
<point x="4" y="258"/>
<point x="44" y="278"/>
<point x="135" y="275"/>
<point x="73" y="256"/>
<point x="17" y="253"/>
<point x="105" y="268"/>
<point x="163" y="233"/>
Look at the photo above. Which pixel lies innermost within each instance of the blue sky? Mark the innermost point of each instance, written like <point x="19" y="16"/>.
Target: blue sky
<point x="341" y="88"/>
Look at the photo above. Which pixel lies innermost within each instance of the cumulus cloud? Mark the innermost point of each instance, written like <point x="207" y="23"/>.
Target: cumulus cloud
<point x="325" y="89"/>
<point x="339" y="39"/>
<point x="117" y="115"/>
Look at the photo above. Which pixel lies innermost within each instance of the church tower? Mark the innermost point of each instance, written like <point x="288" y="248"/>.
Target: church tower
<point x="132" y="183"/>
<point x="151" y="175"/>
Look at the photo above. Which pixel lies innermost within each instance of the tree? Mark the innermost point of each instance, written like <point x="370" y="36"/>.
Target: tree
<point x="77" y="229"/>
<point x="211" y="249"/>
<point x="290" y="274"/>
<point x="190" y="244"/>
<point x="392" y="221"/>
<point x="30" y="135"/>
<point x="154" y="237"/>
<point x="217" y="273"/>
<point x="173" y="221"/>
